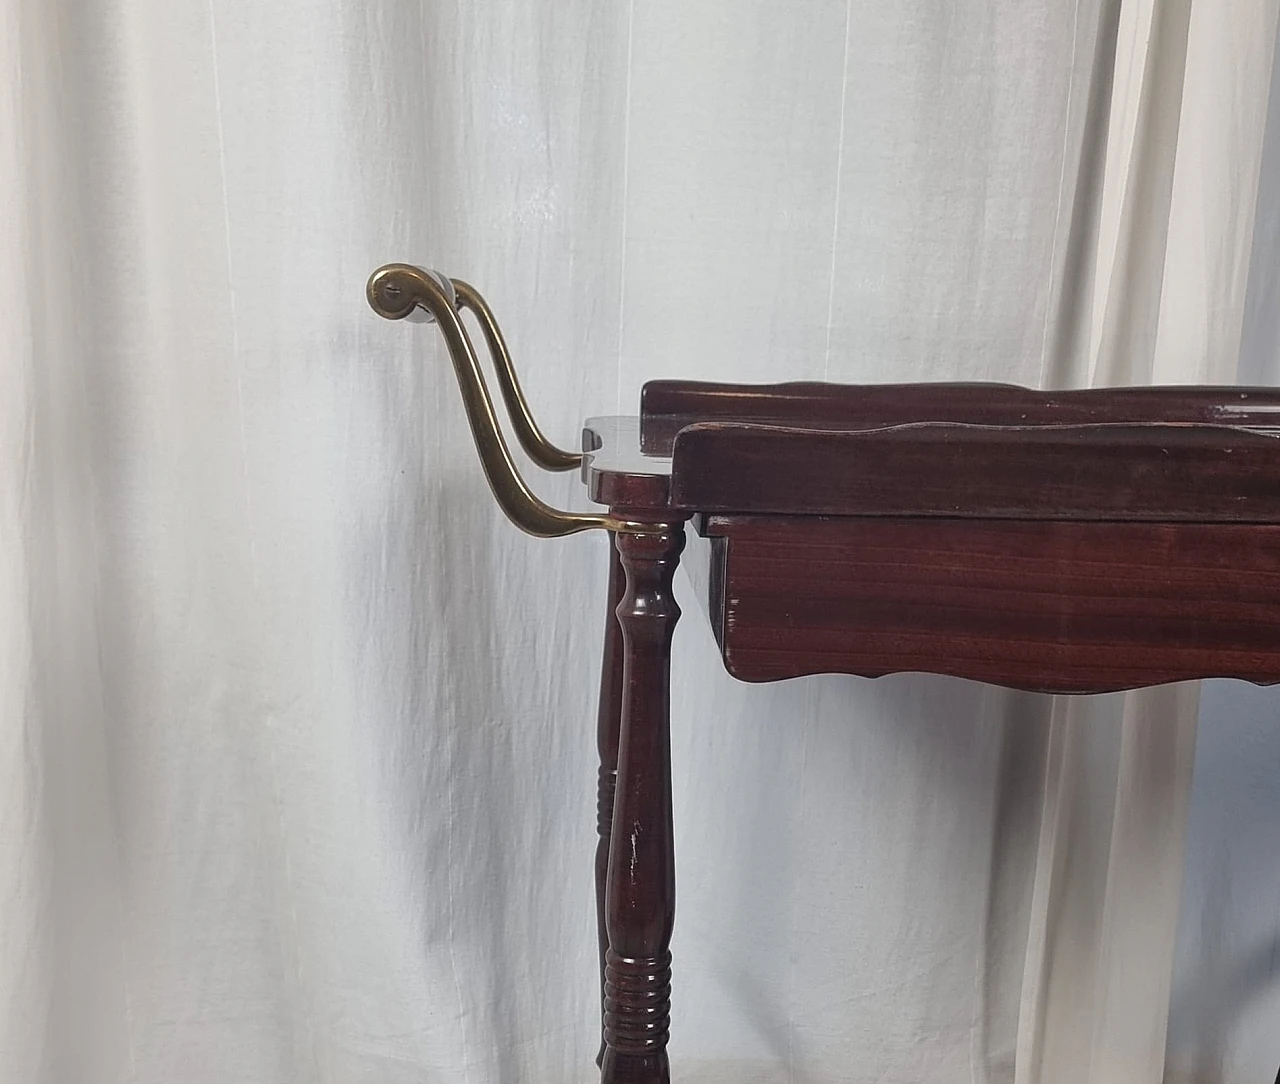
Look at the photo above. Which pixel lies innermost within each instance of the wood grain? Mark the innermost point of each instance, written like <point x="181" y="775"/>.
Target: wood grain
<point x="667" y="406"/>
<point x="1045" y="606"/>
<point x="608" y="731"/>
<point x="1156" y="472"/>
<point x="640" y="896"/>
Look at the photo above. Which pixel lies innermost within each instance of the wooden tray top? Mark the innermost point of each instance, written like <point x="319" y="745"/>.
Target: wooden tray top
<point x="1057" y="541"/>
<point x="957" y="450"/>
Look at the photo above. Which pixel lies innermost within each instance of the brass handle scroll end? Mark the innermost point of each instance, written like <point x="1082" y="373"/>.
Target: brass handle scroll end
<point x="395" y="291"/>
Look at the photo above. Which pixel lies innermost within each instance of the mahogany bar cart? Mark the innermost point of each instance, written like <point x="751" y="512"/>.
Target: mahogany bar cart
<point x="1062" y="542"/>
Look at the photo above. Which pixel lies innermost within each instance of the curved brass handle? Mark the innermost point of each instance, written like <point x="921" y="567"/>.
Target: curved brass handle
<point x="539" y="449"/>
<point x="394" y="292"/>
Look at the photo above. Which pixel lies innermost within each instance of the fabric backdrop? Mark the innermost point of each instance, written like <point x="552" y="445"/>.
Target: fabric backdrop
<point x="296" y="734"/>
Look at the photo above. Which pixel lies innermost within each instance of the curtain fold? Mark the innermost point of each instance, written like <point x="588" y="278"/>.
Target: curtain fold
<point x="1104" y="916"/>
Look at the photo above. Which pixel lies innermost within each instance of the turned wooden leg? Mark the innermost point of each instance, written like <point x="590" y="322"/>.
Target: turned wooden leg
<point x="608" y="726"/>
<point x="640" y="896"/>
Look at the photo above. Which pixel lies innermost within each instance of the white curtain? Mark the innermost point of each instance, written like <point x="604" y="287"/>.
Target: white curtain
<point x="296" y="734"/>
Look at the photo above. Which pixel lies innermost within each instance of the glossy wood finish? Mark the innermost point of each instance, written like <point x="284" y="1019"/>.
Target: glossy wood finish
<point x="667" y="406"/>
<point x="1059" y="542"/>
<point x="1047" y="606"/>
<point x="640" y="896"/>
<point x="616" y="472"/>
<point x="608" y="730"/>
<point x="1154" y="472"/>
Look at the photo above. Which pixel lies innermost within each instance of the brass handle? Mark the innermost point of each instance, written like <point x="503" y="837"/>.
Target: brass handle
<point x="539" y="449"/>
<point x="394" y="292"/>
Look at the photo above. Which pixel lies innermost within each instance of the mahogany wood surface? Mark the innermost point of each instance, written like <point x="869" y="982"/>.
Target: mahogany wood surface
<point x="614" y="469"/>
<point x="1151" y="471"/>
<point x="640" y="895"/>
<point x="667" y="406"/>
<point x="1047" y="606"/>
<point x="608" y="729"/>
<point x="1064" y="542"/>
